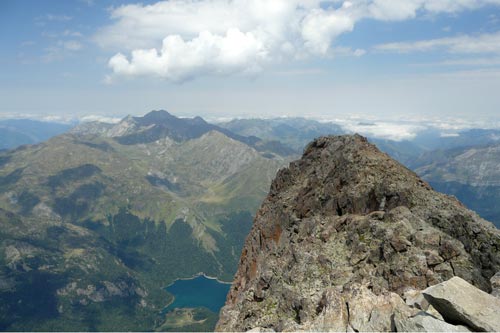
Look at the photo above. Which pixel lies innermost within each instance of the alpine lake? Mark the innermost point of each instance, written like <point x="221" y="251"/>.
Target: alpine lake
<point x="196" y="305"/>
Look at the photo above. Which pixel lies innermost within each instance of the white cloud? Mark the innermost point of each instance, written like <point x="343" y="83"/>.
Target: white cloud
<point x="301" y="72"/>
<point x="348" y="52"/>
<point x="466" y="62"/>
<point x="465" y="44"/>
<point x="71" y="33"/>
<point x="52" y="53"/>
<point x="65" y="33"/>
<point x="452" y="6"/>
<point x="449" y="135"/>
<point x="179" y="60"/>
<point x="28" y="43"/>
<point x="58" y="18"/>
<point x="60" y="50"/>
<point x="473" y="62"/>
<point x="320" y="27"/>
<point x="472" y="75"/>
<point x="181" y="39"/>
<point x="384" y="130"/>
<point x="100" y="118"/>
<point x="88" y="2"/>
<point x="72" y="45"/>
<point x="390" y="10"/>
<point x="408" y="129"/>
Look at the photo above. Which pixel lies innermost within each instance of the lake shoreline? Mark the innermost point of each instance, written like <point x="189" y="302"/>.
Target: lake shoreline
<point x="195" y="293"/>
<point x="196" y="276"/>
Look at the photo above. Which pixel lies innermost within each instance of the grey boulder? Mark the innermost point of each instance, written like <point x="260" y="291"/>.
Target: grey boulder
<point x="424" y="322"/>
<point x="460" y="302"/>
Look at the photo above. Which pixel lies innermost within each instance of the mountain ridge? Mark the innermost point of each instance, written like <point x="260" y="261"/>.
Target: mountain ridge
<point x="156" y="125"/>
<point x="348" y="220"/>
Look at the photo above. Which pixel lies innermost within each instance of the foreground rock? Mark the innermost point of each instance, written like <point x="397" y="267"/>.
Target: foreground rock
<point x="345" y="237"/>
<point x="459" y="302"/>
<point x="424" y="322"/>
<point x="495" y="285"/>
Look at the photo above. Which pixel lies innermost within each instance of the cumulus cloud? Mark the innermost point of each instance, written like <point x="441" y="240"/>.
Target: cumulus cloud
<point x="205" y="54"/>
<point x="181" y="39"/>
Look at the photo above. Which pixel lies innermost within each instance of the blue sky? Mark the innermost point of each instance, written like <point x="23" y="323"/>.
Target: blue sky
<point x="406" y="60"/>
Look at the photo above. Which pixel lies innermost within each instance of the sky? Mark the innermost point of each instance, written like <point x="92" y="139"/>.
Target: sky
<point x="399" y="60"/>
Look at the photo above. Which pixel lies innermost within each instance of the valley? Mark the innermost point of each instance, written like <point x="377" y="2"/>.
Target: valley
<point x="111" y="222"/>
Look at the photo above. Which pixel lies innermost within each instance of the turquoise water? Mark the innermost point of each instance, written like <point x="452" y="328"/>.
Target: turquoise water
<point x="198" y="292"/>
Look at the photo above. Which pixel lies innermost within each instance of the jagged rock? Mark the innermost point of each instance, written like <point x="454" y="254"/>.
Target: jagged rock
<point x="495" y="285"/>
<point x="346" y="231"/>
<point x="373" y="313"/>
<point x="424" y="322"/>
<point x="334" y="312"/>
<point x="433" y="312"/>
<point x="461" y="302"/>
<point x="260" y="329"/>
<point x="414" y="298"/>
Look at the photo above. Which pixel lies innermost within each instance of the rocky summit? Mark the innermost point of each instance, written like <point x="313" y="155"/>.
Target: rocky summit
<point x="350" y="240"/>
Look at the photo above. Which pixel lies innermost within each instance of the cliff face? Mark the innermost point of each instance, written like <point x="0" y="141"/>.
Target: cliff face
<point x="346" y="237"/>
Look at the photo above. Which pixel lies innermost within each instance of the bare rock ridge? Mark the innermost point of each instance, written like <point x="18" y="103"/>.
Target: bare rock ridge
<point x="157" y="125"/>
<point x="348" y="239"/>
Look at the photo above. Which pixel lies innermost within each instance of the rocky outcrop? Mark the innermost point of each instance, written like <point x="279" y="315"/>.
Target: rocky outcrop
<point x="457" y="301"/>
<point x="347" y="238"/>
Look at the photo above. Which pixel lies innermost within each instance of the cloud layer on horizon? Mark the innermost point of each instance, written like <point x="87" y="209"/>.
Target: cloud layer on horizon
<point x="178" y="40"/>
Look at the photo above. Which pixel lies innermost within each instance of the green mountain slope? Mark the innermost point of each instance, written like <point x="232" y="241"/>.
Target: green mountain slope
<point x="104" y="223"/>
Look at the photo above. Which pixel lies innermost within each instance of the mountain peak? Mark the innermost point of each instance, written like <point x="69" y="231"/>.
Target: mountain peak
<point x="346" y="228"/>
<point x="155" y="117"/>
<point x="160" y="124"/>
<point x="347" y="174"/>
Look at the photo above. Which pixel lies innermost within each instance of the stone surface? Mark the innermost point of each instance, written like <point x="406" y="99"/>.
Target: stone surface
<point x="423" y="322"/>
<point x="261" y="329"/>
<point x="371" y="313"/>
<point x="495" y="285"/>
<point x="460" y="302"/>
<point x="414" y="298"/>
<point x="344" y="233"/>
<point x="433" y="312"/>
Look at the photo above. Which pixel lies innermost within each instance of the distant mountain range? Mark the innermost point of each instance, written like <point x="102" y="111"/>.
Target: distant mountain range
<point x="94" y="223"/>
<point x="160" y="124"/>
<point x="16" y="132"/>
<point x="293" y="132"/>
<point x="472" y="174"/>
<point x="464" y="164"/>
